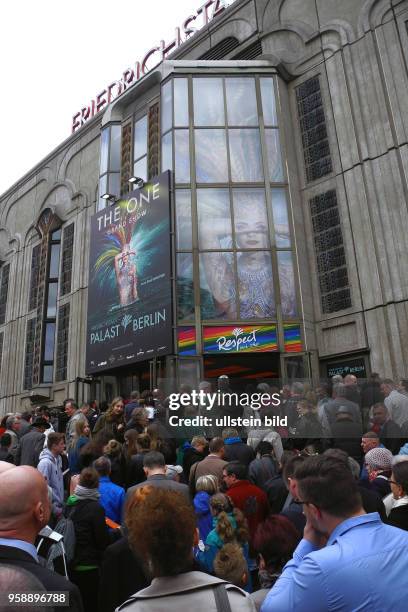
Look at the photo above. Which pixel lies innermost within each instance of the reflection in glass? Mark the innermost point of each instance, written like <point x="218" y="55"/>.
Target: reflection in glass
<point x="217" y="286"/>
<point x="255" y="285"/>
<point x="245" y="155"/>
<point x="167" y="152"/>
<point x="49" y="342"/>
<point x="250" y="219"/>
<point x="241" y="101"/>
<point x="268" y="101"/>
<point x="140" y="139"/>
<point x="52" y="300"/>
<point x="180" y="102"/>
<point x="140" y="168"/>
<point x="182" y="156"/>
<point x="274" y="155"/>
<point x="54" y="258"/>
<point x="56" y="235"/>
<point x="166" y="107"/>
<point x="104" y="151"/>
<point x="211" y="156"/>
<point x="103" y="183"/>
<point x="113" y="183"/>
<point x="208" y="101"/>
<point x="214" y="219"/>
<point x="48" y="374"/>
<point x="280" y="217"/>
<point x="287" y="283"/>
<point x="183" y="219"/>
<point x="185" y="287"/>
<point x="114" y="164"/>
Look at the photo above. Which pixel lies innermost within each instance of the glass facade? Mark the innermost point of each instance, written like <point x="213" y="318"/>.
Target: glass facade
<point x="109" y="163"/>
<point x="48" y="347"/>
<point x="221" y="136"/>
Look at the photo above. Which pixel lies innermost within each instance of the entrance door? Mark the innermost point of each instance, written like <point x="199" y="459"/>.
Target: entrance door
<point x="136" y="378"/>
<point x="243" y="369"/>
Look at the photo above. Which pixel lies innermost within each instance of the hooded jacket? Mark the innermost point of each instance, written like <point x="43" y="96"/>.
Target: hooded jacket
<point x="51" y="468"/>
<point x="91" y="532"/>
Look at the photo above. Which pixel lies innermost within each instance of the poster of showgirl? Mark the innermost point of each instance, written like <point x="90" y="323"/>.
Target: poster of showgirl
<point x="129" y="295"/>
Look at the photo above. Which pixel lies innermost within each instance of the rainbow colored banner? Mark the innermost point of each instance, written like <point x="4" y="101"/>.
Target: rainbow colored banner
<point x="240" y="339"/>
<point x="292" y="339"/>
<point x="186" y="340"/>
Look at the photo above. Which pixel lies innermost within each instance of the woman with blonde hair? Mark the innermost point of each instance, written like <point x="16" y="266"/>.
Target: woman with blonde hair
<point x="112" y="421"/>
<point x="229" y="525"/>
<point x="114" y="451"/>
<point x="206" y="487"/>
<point x="81" y="437"/>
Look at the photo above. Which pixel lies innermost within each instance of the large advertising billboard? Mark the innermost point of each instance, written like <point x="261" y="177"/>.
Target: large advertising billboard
<point x="129" y="293"/>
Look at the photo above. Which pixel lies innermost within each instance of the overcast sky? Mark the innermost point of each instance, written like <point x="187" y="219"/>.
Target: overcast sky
<point x="55" y="56"/>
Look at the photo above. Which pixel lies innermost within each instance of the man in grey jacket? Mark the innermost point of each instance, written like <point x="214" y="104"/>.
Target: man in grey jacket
<point x="154" y="467"/>
<point x="75" y="415"/>
<point x="31" y="445"/>
<point x="50" y="466"/>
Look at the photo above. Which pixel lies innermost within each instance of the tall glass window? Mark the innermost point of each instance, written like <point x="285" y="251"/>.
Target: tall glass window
<point x="109" y="164"/>
<point x="50" y="314"/>
<point x="233" y="235"/>
<point x="140" y="148"/>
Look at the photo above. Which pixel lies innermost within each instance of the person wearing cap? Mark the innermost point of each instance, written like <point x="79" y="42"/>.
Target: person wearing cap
<point x="174" y="472"/>
<point x="379" y="466"/>
<point x="346" y="433"/>
<point x="32" y="443"/>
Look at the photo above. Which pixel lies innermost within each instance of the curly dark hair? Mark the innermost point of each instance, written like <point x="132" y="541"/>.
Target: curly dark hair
<point x="161" y="529"/>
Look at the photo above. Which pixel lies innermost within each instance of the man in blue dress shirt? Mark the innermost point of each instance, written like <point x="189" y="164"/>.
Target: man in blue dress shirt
<point x="347" y="560"/>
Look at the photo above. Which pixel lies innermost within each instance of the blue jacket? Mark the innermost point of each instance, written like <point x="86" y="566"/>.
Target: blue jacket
<point x="112" y="499"/>
<point x="363" y="567"/>
<point x="202" y="509"/>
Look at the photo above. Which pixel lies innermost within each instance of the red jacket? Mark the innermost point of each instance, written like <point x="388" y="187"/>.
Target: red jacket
<point x="252" y="501"/>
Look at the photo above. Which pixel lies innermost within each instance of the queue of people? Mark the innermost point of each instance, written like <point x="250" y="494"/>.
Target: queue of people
<point x="243" y="520"/>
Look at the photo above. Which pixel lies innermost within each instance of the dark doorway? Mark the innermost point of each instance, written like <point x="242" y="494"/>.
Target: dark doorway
<point x="245" y="370"/>
<point x="136" y="378"/>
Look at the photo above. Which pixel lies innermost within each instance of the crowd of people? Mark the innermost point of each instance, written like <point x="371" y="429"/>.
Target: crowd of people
<point x="303" y="516"/>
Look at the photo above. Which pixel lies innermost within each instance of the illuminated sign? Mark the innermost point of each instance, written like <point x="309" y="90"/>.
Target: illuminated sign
<point x="129" y="294"/>
<point x="238" y="339"/>
<point x="151" y="59"/>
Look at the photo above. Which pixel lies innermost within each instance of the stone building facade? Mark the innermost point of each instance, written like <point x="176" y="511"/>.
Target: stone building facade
<point x="339" y="75"/>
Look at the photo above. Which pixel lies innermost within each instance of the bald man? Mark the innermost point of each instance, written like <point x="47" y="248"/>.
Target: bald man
<point x="24" y="511"/>
<point x="5" y="465"/>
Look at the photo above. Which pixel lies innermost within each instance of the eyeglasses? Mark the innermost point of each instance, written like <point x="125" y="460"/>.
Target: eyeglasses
<point x="393" y="482"/>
